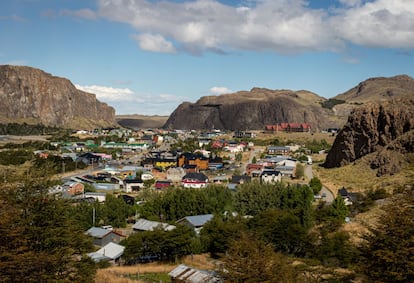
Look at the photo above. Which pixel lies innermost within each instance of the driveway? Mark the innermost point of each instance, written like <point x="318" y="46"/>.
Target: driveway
<point x="326" y="194"/>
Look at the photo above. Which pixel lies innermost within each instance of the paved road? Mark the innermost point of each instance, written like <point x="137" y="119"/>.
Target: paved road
<point x="326" y="194"/>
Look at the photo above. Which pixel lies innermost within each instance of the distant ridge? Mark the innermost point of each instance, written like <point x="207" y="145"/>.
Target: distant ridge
<point x="260" y="106"/>
<point x="33" y="96"/>
<point x="136" y="121"/>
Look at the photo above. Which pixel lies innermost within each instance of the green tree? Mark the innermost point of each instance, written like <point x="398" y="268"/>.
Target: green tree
<point x="316" y="185"/>
<point x="339" y="210"/>
<point x="283" y="229"/>
<point x="388" y="248"/>
<point x="164" y="245"/>
<point x="300" y="171"/>
<point x="40" y="241"/>
<point x="251" y="260"/>
<point x="254" y="160"/>
<point x="217" y="234"/>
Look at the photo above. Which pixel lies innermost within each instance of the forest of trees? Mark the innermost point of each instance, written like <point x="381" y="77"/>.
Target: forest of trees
<point x="43" y="237"/>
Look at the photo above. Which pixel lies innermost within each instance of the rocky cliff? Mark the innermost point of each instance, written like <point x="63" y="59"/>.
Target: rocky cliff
<point x="251" y="110"/>
<point x="33" y="96"/>
<point x="375" y="128"/>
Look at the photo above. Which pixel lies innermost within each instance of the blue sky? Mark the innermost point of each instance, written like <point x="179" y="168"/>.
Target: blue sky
<point x="148" y="56"/>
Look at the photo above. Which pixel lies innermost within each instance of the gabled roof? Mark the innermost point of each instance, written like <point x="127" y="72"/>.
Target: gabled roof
<point x="184" y="273"/>
<point x="148" y="225"/>
<point x="111" y="250"/>
<point x="239" y="179"/>
<point x="97" y="232"/>
<point x="197" y="220"/>
<point x="196" y="176"/>
<point x="270" y="173"/>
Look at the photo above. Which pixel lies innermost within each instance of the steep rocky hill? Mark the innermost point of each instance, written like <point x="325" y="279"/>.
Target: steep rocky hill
<point x="251" y="110"/>
<point x="33" y="96"/>
<point x="258" y="107"/>
<point x="372" y="90"/>
<point x="385" y="129"/>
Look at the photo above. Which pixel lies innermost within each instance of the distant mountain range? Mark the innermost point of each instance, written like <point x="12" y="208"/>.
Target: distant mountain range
<point x="30" y="95"/>
<point x="136" y="121"/>
<point x="252" y="110"/>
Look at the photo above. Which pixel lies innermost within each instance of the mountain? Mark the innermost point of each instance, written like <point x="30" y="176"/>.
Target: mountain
<point x="385" y="130"/>
<point x="372" y="90"/>
<point x="258" y="107"/>
<point x="136" y="121"/>
<point x="251" y="110"/>
<point x="30" y="95"/>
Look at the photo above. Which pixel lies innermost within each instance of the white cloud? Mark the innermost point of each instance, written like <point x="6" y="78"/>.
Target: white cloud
<point x="283" y="26"/>
<point x="380" y="23"/>
<point x="155" y="43"/>
<point x="126" y="101"/>
<point x="106" y="94"/>
<point x="83" y="13"/>
<point x="14" y="18"/>
<point x="217" y="90"/>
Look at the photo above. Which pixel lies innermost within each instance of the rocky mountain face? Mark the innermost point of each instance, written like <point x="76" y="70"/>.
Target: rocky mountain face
<point x="250" y="110"/>
<point x="33" y="96"/>
<point x="386" y="129"/>
<point x="258" y="107"/>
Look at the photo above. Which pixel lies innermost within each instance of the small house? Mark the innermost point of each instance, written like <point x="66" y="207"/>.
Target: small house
<point x="102" y="236"/>
<point x="148" y="225"/>
<point x="195" y="222"/>
<point x="194" y="180"/>
<point x="270" y="176"/>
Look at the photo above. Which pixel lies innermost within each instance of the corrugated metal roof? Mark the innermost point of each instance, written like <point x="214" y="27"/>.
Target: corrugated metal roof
<point x="198" y="220"/>
<point x="148" y="225"/>
<point x="111" y="250"/>
<point x="97" y="232"/>
<point x="188" y="274"/>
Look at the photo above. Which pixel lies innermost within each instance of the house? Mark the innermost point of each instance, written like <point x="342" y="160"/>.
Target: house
<point x="162" y="184"/>
<point x="270" y="176"/>
<point x="109" y="252"/>
<point x="286" y="171"/>
<point x="194" y="180"/>
<point x="89" y="158"/>
<point x="195" y="222"/>
<point x="349" y="198"/>
<point x="127" y="199"/>
<point x="190" y="168"/>
<point x="148" y="225"/>
<point x="164" y="163"/>
<point x="133" y="185"/>
<point x="102" y="236"/>
<point x="240" y="179"/>
<point x="100" y="197"/>
<point x="106" y="186"/>
<point x="243" y="134"/>
<point x="186" y="274"/>
<point x="278" y="150"/>
<point x="72" y="188"/>
<point x="289" y="127"/>
<point x="193" y="159"/>
<point x="252" y="168"/>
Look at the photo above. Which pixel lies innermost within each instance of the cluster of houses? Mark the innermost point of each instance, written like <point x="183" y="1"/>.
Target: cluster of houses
<point x="289" y="127"/>
<point x="107" y="240"/>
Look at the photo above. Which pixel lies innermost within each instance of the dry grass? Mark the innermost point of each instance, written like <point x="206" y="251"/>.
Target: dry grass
<point x="359" y="177"/>
<point x="118" y="273"/>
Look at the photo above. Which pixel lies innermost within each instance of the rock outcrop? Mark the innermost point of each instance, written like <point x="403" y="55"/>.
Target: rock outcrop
<point x="250" y="110"/>
<point x="380" y="128"/>
<point x="33" y="96"/>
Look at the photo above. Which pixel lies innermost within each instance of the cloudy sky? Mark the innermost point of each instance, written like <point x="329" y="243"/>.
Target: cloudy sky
<point x="148" y="56"/>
